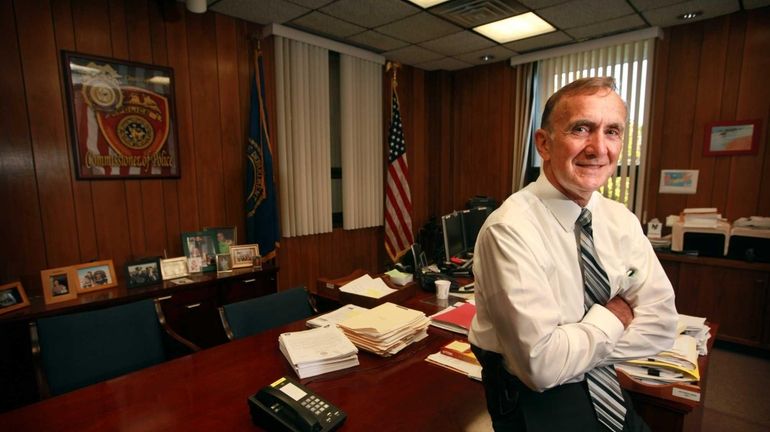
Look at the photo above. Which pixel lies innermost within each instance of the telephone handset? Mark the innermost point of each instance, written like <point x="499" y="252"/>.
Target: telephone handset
<point x="286" y="405"/>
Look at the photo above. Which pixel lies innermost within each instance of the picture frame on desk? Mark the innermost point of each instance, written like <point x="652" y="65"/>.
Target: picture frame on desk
<point x="94" y="276"/>
<point x="12" y="297"/>
<point x="732" y="138"/>
<point x="201" y="244"/>
<point x="122" y="118"/>
<point x="244" y="255"/>
<point x="59" y="285"/>
<point x="143" y="272"/>
<point x="225" y="237"/>
<point x="224" y="263"/>
<point x="172" y="268"/>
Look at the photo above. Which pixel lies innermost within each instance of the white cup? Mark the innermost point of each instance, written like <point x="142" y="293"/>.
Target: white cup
<point x="442" y="289"/>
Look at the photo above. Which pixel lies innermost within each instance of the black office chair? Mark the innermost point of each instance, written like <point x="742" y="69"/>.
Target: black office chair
<point x="252" y="316"/>
<point x="80" y="349"/>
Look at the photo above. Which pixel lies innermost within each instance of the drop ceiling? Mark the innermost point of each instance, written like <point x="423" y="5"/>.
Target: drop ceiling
<point x="441" y="37"/>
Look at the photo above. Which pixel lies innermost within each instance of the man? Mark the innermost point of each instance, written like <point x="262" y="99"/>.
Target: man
<point x="558" y="301"/>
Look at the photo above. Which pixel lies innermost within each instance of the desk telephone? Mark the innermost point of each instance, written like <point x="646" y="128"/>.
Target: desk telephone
<point x="286" y="405"/>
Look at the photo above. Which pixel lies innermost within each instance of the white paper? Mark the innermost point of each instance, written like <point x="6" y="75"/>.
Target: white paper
<point x="368" y="287"/>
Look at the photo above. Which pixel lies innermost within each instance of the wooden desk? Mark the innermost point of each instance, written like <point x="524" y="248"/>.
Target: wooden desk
<point x="208" y="391"/>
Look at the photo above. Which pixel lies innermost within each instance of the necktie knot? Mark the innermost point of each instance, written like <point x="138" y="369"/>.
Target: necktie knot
<point x="584" y="220"/>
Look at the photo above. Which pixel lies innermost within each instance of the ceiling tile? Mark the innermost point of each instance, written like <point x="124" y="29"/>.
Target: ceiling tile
<point x="412" y="55"/>
<point x="753" y="4"/>
<point x="584" y="12"/>
<point x="312" y="4"/>
<point x="667" y="16"/>
<point x="269" y="11"/>
<point x="325" y="24"/>
<point x="539" y="42"/>
<point x="540" y="4"/>
<point x="377" y="41"/>
<point x="617" y="25"/>
<point x="643" y="5"/>
<point x="458" y="43"/>
<point x="497" y="52"/>
<point x="419" y="28"/>
<point x="446" y="63"/>
<point x="370" y="13"/>
<point x="472" y="13"/>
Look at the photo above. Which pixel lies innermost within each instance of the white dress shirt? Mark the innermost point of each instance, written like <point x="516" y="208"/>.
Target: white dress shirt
<point x="529" y="289"/>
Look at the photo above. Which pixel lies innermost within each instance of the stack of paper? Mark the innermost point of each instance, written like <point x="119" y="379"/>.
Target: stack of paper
<point x="700" y="217"/>
<point x="678" y="364"/>
<point x="697" y="328"/>
<point x="368" y="287"/>
<point x="317" y="351"/>
<point x="386" y="329"/>
<point x="455" y="318"/>
<point x="457" y="356"/>
<point x="336" y="316"/>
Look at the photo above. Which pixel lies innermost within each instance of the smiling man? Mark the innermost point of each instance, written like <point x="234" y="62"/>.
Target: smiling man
<point x="567" y="284"/>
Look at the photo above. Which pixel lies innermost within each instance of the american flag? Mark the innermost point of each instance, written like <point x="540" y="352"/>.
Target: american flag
<point x="398" y="198"/>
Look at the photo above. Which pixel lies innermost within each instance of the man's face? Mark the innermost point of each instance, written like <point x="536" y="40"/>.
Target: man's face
<point x="580" y="149"/>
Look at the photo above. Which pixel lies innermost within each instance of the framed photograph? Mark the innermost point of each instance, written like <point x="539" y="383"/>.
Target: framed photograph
<point x="244" y="255"/>
<point x="678" y="181"/>
<point x="224" y="263"/>
<point x="172" y="268"/>
<point x="145" y="271"/>
<point x="122" y="118"/>
<point x="12" y="297"/>
<point x="194" y="264"/>
<point x="730" y="138"/>
<point x="94" y="276"/>
<point x="203" y="245"/>
<point x="225" y="236"/>
<point x="58" y="284"/>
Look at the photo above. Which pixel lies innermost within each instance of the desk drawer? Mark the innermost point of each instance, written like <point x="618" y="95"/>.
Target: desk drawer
<point x="193" y="314"/>
<point x="246" y="287"/>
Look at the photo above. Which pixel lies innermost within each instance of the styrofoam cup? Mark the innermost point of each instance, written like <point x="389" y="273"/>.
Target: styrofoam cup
<point x="442" y="289"/>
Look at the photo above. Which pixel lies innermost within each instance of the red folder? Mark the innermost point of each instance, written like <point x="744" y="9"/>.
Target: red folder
<point x="457" y="319"/>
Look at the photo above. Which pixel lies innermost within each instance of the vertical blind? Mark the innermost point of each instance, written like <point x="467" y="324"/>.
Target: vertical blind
<point x="630" y="64"/>
<point x="304" y="155"/>
<point x="361" y="142"/>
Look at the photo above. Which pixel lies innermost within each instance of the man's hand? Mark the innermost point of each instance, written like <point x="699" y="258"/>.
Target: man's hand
<point x="621" y="309"/>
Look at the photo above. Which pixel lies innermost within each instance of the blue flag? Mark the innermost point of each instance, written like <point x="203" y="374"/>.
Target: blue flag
<point x="261" y="204"/>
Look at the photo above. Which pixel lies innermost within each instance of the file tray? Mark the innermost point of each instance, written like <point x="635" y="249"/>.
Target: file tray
<point x="329" y="288"/>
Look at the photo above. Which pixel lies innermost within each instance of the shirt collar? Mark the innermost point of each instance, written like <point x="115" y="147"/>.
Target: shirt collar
<point x="563" y="209"/>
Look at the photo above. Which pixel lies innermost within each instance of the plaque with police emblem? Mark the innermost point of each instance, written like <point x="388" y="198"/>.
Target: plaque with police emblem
<point x="122" y="118"/>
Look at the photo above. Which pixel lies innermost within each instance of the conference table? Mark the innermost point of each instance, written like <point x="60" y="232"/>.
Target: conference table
<point x="208" y="391"/>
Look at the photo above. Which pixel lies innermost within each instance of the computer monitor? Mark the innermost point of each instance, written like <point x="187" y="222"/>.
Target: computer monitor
<point x="454" y="235"/>
<point x="473" y="219"/>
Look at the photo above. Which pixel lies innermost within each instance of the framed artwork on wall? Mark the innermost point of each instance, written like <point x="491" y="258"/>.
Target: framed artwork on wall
<point x="121" y="117"/>
<point x="731" y="138"/>
<point x="678" y="181"/>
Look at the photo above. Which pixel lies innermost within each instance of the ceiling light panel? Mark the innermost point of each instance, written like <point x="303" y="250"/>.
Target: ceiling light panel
<point x="515" y="28"/>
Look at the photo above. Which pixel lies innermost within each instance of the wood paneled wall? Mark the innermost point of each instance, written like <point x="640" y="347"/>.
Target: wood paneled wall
<point x="55" y="220"/>
<point x="708" y="71"/>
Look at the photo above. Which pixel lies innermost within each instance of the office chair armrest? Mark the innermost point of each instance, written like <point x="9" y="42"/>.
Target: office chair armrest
<point x="170" y="332"/>
<point x="43" y="388"/>
<point x="225" y="323"/>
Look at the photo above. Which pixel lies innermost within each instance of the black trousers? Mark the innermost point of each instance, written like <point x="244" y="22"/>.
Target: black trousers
<point x="568" y="407"/>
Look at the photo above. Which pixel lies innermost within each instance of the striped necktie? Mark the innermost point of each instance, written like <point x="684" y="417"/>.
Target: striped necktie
<point x="602" y="381"/>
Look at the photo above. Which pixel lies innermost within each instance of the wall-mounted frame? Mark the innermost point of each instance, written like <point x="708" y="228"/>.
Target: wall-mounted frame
<point x="94" y="276"/>
<point x="12" y="297"/>
<point x="172" y="268"/>
<point x="244" y="255"/>
<point x="59" y="285"/>
<point x="121" y="117"/>
<point x="678" y="181"/>
<point x="225" y="237"/>
<point x="201" y="244"/>
<point x="145" y="271"/>
<point x="730" y="138"/>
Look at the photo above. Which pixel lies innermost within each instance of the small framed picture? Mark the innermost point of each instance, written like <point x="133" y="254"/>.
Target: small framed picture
<point x="94" y="276"/>
<point x="224" y="263"/>
<point x="58" y="284"/>
<point x="173" y="268"/>
<point x="12" y="297"/>
<point x="244" y="255"/>
<point x="678" y="181"/>
<point x="225" y="237"/>
<point x="203" y="245"/>
<point x="731" y="138"/>
<point x="145" y="271"/>
<point x="194" y="264"/>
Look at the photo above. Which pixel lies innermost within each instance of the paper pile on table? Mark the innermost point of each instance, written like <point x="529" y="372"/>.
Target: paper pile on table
<point x="336" y="316"/>
<point x="457" y="356"/>
<point x="317" y="351"/>
<point x="386" y="329"/>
